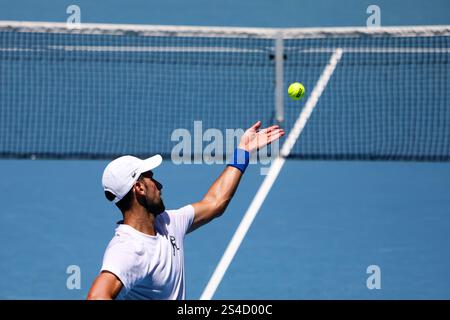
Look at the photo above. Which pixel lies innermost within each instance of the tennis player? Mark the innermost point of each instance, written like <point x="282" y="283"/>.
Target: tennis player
<point x="145" y="258"/>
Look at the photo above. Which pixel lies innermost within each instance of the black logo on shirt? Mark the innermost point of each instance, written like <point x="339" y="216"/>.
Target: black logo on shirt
<point x="174" y="244"/>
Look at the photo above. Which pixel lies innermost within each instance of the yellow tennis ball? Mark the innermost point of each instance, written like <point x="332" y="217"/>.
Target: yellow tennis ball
<point x="296" y="90"/>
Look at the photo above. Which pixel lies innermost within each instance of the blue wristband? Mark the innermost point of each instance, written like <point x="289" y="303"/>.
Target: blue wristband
<point x="241" y="158"/>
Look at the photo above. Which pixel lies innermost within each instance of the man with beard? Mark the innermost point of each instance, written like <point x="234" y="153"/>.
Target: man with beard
<point x="145" y="258"/>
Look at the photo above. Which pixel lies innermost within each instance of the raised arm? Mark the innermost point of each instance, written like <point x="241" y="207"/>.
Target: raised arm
<point x="222" y="190"/>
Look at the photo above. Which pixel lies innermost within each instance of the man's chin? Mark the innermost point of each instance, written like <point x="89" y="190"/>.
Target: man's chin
<point x="158" y="209"/>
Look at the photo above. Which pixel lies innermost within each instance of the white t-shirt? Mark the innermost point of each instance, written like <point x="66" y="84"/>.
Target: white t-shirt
<point x="151" y="267"/>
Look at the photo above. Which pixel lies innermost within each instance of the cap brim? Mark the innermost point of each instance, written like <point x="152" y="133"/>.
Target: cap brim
<point x="151" y="163"/>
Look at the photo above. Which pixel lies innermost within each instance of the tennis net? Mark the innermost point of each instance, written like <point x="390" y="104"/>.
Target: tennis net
<point x="99" y="91"/>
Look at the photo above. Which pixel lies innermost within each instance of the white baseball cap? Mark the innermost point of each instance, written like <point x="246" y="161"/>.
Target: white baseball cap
<point x="120" y="174"/>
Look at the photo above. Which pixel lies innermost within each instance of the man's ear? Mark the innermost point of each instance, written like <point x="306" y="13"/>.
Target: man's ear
<point x="139" y="188"/>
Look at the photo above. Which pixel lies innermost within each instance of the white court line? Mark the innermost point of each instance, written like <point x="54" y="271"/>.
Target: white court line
<point x="274" y="170"/>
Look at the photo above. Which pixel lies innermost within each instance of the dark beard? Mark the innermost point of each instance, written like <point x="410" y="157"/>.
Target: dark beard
<point x="155" y="208"/>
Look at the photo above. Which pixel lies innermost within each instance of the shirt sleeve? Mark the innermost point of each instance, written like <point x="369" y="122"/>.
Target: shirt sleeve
<point x="121" y="261"/>
<point x="184" y="217"/>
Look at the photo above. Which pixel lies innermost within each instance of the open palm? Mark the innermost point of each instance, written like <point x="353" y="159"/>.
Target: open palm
<point x="255" y="138"/>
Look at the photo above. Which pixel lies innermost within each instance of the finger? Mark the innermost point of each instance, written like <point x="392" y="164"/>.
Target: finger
<point x="275" y="137"/>
<point x="269" y="129"/>
<point x="256" y="125"/>
<point x="278" y="133"/>
<point x="274" y="132"/>
<point x="264" y="136"/>
<point x="266" y="139"/>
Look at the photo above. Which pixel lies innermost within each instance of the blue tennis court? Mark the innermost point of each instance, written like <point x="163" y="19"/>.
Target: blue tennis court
<point x="321" y="226"/>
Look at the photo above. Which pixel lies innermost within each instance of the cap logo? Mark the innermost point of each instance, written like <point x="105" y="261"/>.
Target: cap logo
<point x="133" y="174"/>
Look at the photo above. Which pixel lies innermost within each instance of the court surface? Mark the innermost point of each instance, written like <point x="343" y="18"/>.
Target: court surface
<point x="321" y="226"/>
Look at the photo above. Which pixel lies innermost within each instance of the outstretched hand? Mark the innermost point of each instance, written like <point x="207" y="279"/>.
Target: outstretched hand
<point x="255" y="138"/>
